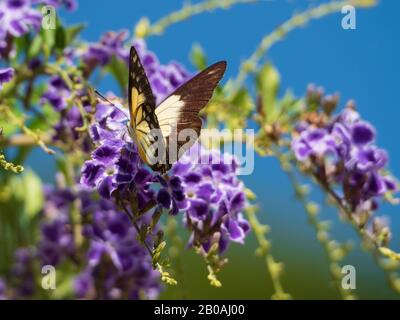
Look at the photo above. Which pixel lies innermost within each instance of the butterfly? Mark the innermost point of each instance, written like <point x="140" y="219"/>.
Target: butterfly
<point x="163" y="133"/>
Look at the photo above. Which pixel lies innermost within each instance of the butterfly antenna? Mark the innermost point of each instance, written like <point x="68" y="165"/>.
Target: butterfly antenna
<point x="107" y="100"/>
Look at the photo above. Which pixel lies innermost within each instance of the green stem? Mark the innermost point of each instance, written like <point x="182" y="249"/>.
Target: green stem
<point x="75" y="215"/>
<point x="274" y="269"/>
<point x="145" y="29"/>
<point x="378" y="251"/>
<point x="19" y="122"/>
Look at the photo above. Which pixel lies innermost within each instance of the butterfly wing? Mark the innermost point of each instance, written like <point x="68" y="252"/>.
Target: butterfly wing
<point x="180" y="110"/>
<point x="142" y="116"/>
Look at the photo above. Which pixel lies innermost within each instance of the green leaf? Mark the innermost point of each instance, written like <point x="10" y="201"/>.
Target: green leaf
<point x="33" y="193"/>
<point x="60" y="38"/>
<point x="35" y="47"/>
<point x="241" y="105"/>
<point x="72" y="32"/>
<point x="9" y="128"/>
<point x="267" y="82"/>
<point x="198" y="57"/>
<point x="290" y="108"/>
<point x="155" y="218"/>
<point x="49" y="40"/>
<point x="21" y="44"/>
<point x="65" y="280"/>
<point x="118" y="69"/>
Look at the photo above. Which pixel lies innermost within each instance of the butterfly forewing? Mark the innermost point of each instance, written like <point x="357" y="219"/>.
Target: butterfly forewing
<point x="143" y="120"/>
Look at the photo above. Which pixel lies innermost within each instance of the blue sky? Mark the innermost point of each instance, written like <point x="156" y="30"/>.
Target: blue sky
<point x="361" y="64"/>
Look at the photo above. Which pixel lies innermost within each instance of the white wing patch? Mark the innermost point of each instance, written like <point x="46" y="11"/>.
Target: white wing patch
<point x="168" y="114"/>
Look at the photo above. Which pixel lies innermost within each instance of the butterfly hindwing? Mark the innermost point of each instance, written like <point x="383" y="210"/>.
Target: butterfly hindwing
<point x="180" y="110"/>
<point x="141" y="109"/>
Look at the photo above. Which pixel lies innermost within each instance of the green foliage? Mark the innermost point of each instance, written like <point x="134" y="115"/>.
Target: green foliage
<point x="26" y="191"/>
<point x="198" y="57"/>
<point x="21" y="199"/>
<point x="230" y="112"/>
<point x="117" y="68"/>
<point x="72" y="32"/>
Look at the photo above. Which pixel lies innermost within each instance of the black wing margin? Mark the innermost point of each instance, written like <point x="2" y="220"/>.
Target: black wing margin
<point x="180" y="110"/>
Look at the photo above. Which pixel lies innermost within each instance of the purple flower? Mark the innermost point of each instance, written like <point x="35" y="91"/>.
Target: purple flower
<point x="171" y="195"/>
<point x="57" y="93"/>
<point x="6" y="75"/>
<point x="367" y="159"/>
<point x="362" y="133"/>
<point x="214" y="197"/>
<point x="84" y="286"/>
<point x="115" y="168"/>
<point x="57" y="241"/>
<point x="99" y="54"/>
<point x="65" y="130"/>
<point x="16" y="19"/>
<point x="316" y="142"/>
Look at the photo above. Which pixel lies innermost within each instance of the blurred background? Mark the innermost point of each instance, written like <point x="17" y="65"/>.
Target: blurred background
<point x="360" y="64"/>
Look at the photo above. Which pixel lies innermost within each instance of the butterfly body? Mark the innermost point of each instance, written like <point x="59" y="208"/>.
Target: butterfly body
<point x="161" y="132"/>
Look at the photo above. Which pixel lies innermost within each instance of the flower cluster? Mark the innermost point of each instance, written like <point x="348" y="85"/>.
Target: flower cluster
<point x="23" y="272"/>
<point x="116" y="264"/>
<point x="214" y="198"/>
<point x="57" y="241"/>
<point x="344" y="152"/>
<point x="58" y="95"/>
<point x="21" y="282"/>
<point x="18" y="17"/>
<point x="100" y="54"/>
